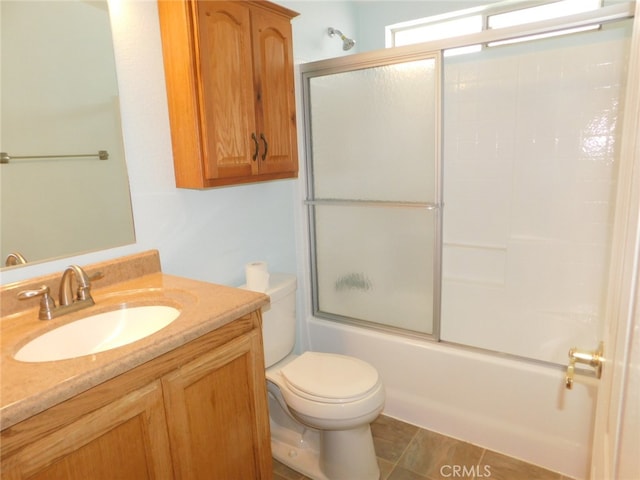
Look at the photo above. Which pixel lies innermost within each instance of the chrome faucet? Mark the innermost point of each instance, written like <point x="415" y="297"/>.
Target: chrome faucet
<point x="69" y="301"/>
<point x="83" y="293"/>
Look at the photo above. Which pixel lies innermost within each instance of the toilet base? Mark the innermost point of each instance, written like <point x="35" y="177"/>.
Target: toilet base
<point x="322" y="454"/>
<point x="348" y="454"/>
<point x="301" y="456"/>
<point x="326" y="455"/>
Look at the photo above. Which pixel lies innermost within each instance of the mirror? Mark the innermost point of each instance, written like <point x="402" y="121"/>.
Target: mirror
<point x="60" y="107"/>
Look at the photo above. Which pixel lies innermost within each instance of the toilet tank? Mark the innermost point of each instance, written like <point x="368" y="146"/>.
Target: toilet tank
<point x="279" y="318"/>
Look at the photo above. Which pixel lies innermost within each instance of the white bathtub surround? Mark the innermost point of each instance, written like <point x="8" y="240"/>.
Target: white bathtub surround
<point x="531" y="150"/>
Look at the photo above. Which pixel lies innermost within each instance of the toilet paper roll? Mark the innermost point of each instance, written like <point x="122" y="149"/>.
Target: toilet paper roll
<point x="257" y="276"/>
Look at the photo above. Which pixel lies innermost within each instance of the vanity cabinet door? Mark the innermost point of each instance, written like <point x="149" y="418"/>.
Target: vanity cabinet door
<point x="217" y="414"/>
<point x="125" y="439"/>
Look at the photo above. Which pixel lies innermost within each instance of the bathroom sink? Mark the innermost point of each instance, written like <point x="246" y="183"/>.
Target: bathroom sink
<point x="98" y="333"/>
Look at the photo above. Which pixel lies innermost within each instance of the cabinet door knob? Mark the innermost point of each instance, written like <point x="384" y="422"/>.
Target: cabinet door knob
<point x="255" y="143"/>
<point x="266" y="146"/>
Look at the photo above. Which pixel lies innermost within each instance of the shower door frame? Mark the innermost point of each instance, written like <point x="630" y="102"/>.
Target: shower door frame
<point x="612" y="13"/>
<point x="361" y="62"/>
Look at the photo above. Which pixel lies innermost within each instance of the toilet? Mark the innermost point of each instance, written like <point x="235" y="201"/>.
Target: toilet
<point x="320" y="404"/>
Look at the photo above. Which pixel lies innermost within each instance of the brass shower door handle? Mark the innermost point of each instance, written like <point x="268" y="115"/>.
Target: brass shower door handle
<point x="593" y="358"/>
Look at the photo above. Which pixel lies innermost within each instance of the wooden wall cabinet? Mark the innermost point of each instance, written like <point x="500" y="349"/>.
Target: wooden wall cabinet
<point x="230" y="87"/>
<point x="198" y="412"/>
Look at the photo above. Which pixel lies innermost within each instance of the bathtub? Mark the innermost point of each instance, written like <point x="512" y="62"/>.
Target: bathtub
<point x="511" y="406"/>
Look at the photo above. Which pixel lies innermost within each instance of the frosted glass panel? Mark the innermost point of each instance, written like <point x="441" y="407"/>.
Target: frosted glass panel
<point x="376" y="264"/>
<point x="374" y="133"/>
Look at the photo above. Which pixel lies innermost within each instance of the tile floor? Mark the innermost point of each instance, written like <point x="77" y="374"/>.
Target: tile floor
<point x="406" y="452"/>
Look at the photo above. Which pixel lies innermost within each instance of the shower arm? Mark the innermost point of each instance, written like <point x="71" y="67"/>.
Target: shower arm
<point x="335" y="31"/>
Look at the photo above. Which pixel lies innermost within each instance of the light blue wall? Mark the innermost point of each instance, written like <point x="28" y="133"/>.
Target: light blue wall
<point x="311" y="40"/>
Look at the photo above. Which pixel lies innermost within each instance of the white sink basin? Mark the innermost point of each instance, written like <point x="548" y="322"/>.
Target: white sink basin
<point x="98" y="333"/>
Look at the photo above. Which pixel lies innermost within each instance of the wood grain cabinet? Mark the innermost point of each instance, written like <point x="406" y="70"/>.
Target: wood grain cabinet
<point x="229" y="75"/>
<point x="125" y="439"/>
<point x="214" y="402"/>
<point x="198" y="412"/>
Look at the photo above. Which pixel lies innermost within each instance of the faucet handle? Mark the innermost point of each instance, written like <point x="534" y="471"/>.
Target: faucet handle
<point x="47" y="304"/>
<point x="42" y="290"/>
<point x="96" y="276"/>
<point x="84" y="290"/>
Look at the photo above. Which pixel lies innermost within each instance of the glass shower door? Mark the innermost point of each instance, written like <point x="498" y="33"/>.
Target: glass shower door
<point x="374" y="195"/>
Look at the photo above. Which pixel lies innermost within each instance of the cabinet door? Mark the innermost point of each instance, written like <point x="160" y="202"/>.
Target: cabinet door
<point x="217" y="414"/>
<point x="125" y="439"/>
<point x="224" y="33"/>
<point x="275" y="92"/>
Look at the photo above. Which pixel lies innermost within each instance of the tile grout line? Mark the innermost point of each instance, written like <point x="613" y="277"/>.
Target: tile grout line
<point x="404" y="451"/>
<point x="484" y="452"/>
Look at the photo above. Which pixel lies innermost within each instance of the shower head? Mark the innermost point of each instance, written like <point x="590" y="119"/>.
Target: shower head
<point x="347" y="43"/>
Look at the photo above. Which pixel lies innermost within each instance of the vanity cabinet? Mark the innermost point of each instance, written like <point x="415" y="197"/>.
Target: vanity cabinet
<point x="230" y="88"/>
<point x="198" y="412"/>
<point x="128" y="435"/>
<point x="213" y="403"/>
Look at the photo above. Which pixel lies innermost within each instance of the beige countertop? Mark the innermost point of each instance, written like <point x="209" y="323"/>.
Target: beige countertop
<point x="29" y="388"/>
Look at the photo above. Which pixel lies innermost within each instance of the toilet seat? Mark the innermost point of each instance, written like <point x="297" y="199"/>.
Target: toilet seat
<point x="341" y="405"/>
<point x="329" y="377"/>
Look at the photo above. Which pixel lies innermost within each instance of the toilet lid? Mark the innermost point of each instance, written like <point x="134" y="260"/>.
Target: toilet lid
<point x="329" y="377"/>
